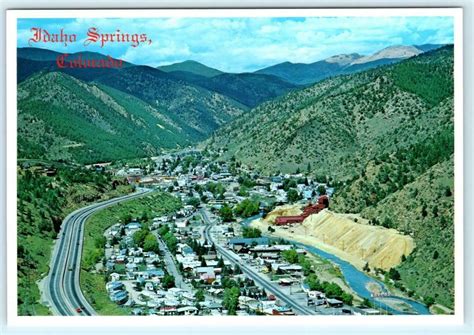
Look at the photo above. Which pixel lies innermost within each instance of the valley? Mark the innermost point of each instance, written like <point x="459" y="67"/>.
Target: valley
<point x="374" y="133"/>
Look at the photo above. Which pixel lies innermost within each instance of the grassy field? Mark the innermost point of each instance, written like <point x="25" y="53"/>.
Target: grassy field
<point x="92" y="281"/>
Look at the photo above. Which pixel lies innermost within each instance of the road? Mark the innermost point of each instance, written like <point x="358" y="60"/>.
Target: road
<point x="171" y="265"/>
<point x="62" y="289"/>
<point x="262" y="281"/>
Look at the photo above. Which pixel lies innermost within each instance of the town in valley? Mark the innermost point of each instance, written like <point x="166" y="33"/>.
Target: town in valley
<point x="208" y="259"/>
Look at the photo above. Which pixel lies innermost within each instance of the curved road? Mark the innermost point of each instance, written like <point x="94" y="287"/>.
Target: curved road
<point x="263" y="282"/>
<point x="62" y="289"/>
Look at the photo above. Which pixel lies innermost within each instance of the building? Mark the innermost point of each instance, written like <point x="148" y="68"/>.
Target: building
<point x="132" y="227"/>
<point x="243" y="244"/>
<point x="334" y="303"/>
<point x="323" y="202"/>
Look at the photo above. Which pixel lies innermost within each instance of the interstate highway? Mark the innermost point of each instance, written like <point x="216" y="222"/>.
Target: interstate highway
<point x="62" y="289"/>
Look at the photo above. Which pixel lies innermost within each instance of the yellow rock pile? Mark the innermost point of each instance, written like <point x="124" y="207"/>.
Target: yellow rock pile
<point x="356" y="242"/>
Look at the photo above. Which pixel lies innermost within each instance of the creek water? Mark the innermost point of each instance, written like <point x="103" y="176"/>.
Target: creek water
<point x="358" y="280"/>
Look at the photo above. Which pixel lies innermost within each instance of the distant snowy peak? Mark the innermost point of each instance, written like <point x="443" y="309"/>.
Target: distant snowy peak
<point x="392" y="52"/>
<point x="343" y="59"/>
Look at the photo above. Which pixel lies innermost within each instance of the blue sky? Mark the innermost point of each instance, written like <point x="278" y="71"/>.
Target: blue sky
<point x="245" y="44"/>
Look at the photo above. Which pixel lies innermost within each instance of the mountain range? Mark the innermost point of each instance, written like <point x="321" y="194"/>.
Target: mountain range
<point x="189" y="100"/>
<point x="299" y="73"/>
<point x="338" y="123"/>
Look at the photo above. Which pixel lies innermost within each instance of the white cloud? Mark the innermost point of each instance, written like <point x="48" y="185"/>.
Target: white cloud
<point x="246" y="44"/>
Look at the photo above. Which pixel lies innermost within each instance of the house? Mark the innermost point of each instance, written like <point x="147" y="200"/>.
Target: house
<point x="316" y="294"/>
<point x="277" y="179"/>
<point x="285" y="282"/>
<point x="206" y="273"/>
<point x="138" y="260"/>
<point x="215" y="291"/>
<point x="162" y="219"/>
<point x="131" y="267"/>
<point x="120" y="259"/>
<point x="366" y="311"/>
<point x="114" y="277"/>
<point x="119" y="297"/>
<point x="115" y="230"/>
<point x="334" y="303"/>
<point x="208" y="277"/>
<point x="132" y="227"/>
<point x="210" y="305"/>
<point x="176" y="291"/>
<point x="211" y="263"/>
<point x="249" y="303"/>
<point x="277" y="248"/>
<point x="187" y="251"/>
<point x="135" y="171"/>
<point x="135" y="251"/>
<point x="181" y="223"/>
<point x="149" y="286"/>
<point x="110" y="265"/>
<point x="290" y="268"/>
<point x="155" y="273"/>
<point x="308" y="194"/>
<point x="248" y="241"/>
<point x="168" y="310"/>
<point x="282" y="310"/>
<point x="114" y="286"/>
<point x="187" y="310"/>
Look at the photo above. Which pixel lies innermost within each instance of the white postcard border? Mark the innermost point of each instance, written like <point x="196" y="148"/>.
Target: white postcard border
<point x="414" y="322"/>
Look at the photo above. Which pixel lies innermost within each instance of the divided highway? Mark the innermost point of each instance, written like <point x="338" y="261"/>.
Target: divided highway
<point x="62" y="289"/>
<point x="263" y="282"/>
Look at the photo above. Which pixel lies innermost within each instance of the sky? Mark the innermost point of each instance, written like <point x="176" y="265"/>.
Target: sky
<point x="244" y="44"/>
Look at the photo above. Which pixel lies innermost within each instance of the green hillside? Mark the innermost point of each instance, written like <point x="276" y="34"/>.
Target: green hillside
<point x="192" y="67"/>
<point x="83" y="122"/>
<point x="424" y="209"/>
<point x="250" y="89"/>
<point x="43" y="202"/>
<point x="303" y="73"/>
<point x="198" y="111"/>
<point x="336" y="126"/>
<point x="411" y="190"/>
<point x="385" y="139"/>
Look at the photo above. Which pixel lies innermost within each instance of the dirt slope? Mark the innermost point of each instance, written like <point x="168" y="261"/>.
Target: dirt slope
<point x="356" y="242"/>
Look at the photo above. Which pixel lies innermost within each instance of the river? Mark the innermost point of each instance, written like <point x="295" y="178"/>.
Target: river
<point x="356" y="279"/>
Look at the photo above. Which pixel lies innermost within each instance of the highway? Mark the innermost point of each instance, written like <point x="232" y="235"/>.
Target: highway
<point x="263" y="282"/>
<point x="62" y="289"/>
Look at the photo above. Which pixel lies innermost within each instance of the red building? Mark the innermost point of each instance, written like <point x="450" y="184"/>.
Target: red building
<point x="323" y="202"/>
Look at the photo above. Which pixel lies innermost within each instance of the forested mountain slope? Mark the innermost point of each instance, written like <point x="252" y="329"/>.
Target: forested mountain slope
<point x="385" y="139"/>
<point x="76" y="121"/>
